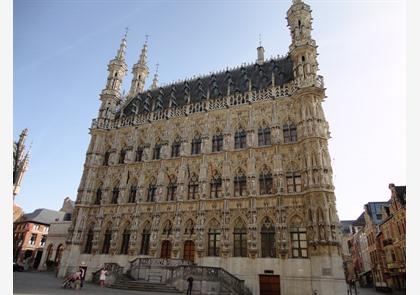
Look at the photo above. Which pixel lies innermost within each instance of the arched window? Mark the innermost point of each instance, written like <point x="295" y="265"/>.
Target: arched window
<point x="106" y="158"/>
<point x="125" y="241"/>
<point x="193" y="187"/>
<point x="240" y="139"/>
<point x="239" y="240"/>
<point x="268" y="247"/>
<point x="151" y="191"/>
<point x="88" y="243"/>
<point x="239" y="184"/>
<point x="264" y="136"/>
<point x="299" y="242"/>
<point x="115" y="195"/>
<point x="214" y="240"/>
<point x="133" y="194"/>
<point x="266" y="182"/>
<point x="176" y="148"/>
<point x="107" y="241"/>
<point x="139" y="154"/>
<point x="196" y="145"/>
<point x="289" y="132"/>
<point x="98" y="196"/>
<point x="156" y="151"/>
<point x="216" y="186"/>
<point x="217" y="142"/>
<point x="123" y="152"/>
<point x="145" y="238"/>
<point x="171" y="194"/>
<point x="294" y="182"/>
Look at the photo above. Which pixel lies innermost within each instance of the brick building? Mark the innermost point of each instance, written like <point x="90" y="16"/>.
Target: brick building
<point x="393" y="240"/>
<point x="30" y="234"/>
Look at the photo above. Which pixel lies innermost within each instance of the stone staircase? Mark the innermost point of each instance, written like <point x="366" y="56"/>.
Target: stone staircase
<point x="129" y="284"/>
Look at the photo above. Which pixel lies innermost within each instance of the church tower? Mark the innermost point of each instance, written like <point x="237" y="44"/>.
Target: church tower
<point x="110" y="95"/>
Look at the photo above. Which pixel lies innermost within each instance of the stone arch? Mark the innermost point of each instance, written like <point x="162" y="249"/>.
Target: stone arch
<point x="166" y="229"/>
<point x="188" y="227"/>
<point x="213" y="222"/>
<point x="238" y="220"/>
<point x="295" y="219"/>
<point x="50" y="250"/>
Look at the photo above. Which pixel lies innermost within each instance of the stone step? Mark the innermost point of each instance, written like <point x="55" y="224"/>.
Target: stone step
<point x="144" y="286"/>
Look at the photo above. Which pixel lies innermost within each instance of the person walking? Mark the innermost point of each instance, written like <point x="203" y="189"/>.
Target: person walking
<point x="102" y="277"/>
<point x="190" y="285"/>
<point x="82" y="276"/>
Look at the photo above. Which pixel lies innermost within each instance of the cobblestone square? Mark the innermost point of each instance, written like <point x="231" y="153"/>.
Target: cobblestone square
<point x="28" y="283"/>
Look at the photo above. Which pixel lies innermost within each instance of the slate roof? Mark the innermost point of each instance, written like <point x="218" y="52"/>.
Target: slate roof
<point x="212" y="86"/>
<point x="360" y="221"/>
<point x="345" y="226"/>
<point x="374" y="208"/>
<point x="44" y="216"/>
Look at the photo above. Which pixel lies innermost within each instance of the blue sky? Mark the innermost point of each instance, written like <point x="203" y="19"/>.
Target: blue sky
<point x="61" y="51"/>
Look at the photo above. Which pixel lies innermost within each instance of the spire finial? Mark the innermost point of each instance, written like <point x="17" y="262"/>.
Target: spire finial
<point x="147" y="38"/>
<point x="260" y="52"/>
<point x="155" y="78"/>
<point x="123" y="46"/>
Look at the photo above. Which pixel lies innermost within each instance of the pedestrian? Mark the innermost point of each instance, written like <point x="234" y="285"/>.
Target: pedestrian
<point x="190" y="285"/>
<point x="82" y="276"/>
<point x="77" y="279"/>
<point x="102" y="276"/>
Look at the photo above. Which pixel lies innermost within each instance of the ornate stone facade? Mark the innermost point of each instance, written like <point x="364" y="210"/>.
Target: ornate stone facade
<point x="228" y="170"/>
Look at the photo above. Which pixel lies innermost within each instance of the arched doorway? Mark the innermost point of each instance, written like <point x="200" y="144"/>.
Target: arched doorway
<point x="165" y="251"/>
<point x="189" y="251"/>
<point x="58" y="254"/>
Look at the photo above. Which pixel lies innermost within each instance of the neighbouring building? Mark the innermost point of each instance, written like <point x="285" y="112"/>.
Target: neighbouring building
<point x="30" y="234"/>
<point x="373" y="217"/>
<point x="56" y="239"/>
<point x="377" y="243"/>
<point x="391" y="271"/>
<point x="229" y="170"/>
<point x="347" y="232"/>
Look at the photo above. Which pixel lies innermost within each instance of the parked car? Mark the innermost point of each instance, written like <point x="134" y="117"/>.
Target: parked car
<point x="17" y="267"/>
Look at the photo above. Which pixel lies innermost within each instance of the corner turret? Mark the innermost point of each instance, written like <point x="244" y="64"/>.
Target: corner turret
<point x="303" y="49"/>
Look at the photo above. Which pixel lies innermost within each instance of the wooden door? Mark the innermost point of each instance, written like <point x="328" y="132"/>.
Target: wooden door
<point x="269" y="285"/>
<point x="165" y="251"/>
<point x="189" y="251"/>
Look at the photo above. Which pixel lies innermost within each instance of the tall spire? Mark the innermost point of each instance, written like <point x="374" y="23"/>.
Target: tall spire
<point x="155" y="78"/>
<point x="117" y="69"/>
<point x="140" y="71"/>
<point x="123" y="47"/>
<point x="20" y="161"/>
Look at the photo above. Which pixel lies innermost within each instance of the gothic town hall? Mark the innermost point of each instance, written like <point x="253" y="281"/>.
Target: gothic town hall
<point x="228" y="171"/>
